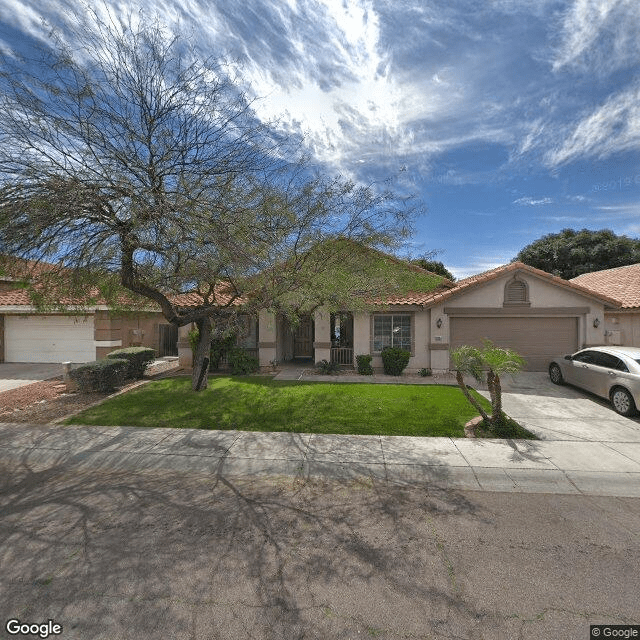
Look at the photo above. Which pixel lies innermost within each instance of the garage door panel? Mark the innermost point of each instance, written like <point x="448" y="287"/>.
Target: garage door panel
<point x="49" y="339"/>
<point x="538" y="340"/>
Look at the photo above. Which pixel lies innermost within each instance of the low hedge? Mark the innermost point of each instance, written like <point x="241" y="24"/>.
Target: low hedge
<point x="138" y="358"/>
<point x="394" y="360"/>
<point x="364" y="365"/>
<point x="241" y="363"/>
<point x="101" y="375"/>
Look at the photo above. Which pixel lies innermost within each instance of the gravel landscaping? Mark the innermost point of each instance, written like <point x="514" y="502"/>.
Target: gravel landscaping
<point x="47" y="401"/>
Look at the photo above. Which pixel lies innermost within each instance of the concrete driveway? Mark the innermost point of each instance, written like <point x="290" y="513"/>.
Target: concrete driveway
<point x="563" y="412"/>
<point x="18" y="374"/>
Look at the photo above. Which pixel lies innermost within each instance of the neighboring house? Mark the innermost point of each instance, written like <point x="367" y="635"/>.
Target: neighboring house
<point x="72" y="335"/>
<point x="537" y="314"/>
<point x="622" y="325"/>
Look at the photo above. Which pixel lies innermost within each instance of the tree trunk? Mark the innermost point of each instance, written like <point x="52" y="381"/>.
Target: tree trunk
<point x="470" y="398"/>
<point x="495" y="391"/>
<point x="202" y="355"/>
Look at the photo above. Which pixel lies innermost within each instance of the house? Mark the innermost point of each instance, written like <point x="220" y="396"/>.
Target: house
<point x="537" y="314"/>
<point x="621" y="325"/>
<point x="74" y="333"/>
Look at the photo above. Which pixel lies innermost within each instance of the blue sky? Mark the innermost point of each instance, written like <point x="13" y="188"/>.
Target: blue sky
<point x="509" y="119"/>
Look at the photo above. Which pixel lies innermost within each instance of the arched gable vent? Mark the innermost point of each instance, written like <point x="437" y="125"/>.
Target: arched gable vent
<point x="516" y="292"/>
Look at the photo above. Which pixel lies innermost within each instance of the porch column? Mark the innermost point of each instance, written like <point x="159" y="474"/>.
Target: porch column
<point x="185" y="355"/>
<point x="322" y="336"/>
<point x="267" y="332"/>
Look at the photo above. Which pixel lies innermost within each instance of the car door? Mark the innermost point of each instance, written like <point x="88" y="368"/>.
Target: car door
<point x="603" y="372"/>
<point x="581" y="372"/>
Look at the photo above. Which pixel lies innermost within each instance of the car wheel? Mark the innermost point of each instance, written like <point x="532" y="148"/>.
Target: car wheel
<point x="622" y="402"/>
<point x="555" y="374"/>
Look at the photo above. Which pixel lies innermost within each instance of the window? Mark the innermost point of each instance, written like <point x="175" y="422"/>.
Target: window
<point x="609" y="361"/>
<point x="588" y="357"/>
<point x="391" y="331"/>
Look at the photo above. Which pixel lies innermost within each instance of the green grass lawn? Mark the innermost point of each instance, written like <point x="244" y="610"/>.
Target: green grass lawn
<point x="263" y="404"/>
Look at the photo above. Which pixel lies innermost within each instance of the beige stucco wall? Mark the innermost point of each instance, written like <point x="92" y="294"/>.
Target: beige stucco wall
<point x="267" y="330"/>
<point x="622" y="328"/>
<point x="322" y="336"/>
<point x="118" y="331"/>
<point x="185" y="354"/>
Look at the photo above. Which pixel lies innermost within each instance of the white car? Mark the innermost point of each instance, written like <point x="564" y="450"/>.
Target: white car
<point x="609" y="372"/>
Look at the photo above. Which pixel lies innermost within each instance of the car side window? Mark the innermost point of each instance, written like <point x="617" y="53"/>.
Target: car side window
<point x="622" y="366"/>
<point x="587" y="357"/>
<point x="609" y="361"/>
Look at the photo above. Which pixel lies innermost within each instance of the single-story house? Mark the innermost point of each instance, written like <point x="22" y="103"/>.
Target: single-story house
<point x="621" y="325"/>
<point x="537" y="314"/>
<point x="74" y="335"/>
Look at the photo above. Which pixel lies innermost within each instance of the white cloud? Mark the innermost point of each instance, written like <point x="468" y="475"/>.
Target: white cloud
<point x="611" y="128"/>
<point x="532" y="202"/>
<point x="628" y="210"/>
<point x="600" y="35"/>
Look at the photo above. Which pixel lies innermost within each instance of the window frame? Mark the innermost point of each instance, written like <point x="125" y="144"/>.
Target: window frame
<point x="392" y="314"/>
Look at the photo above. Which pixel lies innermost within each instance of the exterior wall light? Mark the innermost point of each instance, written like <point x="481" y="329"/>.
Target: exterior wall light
<point x="596" y="323"/>
<point x="439" y="323"/>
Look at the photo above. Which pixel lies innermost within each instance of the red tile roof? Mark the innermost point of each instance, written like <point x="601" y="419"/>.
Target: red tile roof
<point x="479" y="279"/>
<point x="621" y="283"/>
<point x="14" y="298"/>
<point x="223" y="295"/>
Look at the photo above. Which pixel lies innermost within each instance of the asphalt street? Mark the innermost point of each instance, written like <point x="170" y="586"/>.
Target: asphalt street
<point x="120" y="555"/>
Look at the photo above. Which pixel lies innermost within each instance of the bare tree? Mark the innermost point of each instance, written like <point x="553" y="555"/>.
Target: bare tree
<point x="130" y="162"/>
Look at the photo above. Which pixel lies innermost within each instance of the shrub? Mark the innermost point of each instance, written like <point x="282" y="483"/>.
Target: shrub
<point x="138" y="358"/>
<point x="425" y="372"/>
<point x="327" y="367"/>
<point x="101" y="375"/>
<point x="193" y="336"/>
<point x="241" y="362"/>
<point x="221" y="347"/>
<point x="364" y="365"/>
<point x="394" y="360"/>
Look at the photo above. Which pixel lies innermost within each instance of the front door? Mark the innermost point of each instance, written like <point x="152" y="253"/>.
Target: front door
<point x="303" y="338"/>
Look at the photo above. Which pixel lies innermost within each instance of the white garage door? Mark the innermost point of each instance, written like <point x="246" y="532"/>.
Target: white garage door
<point x="538" y="340"/>
<point x="49" y="339"/>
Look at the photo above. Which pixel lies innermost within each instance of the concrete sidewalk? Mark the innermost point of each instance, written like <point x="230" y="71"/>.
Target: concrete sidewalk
<point x="562" y="467"/>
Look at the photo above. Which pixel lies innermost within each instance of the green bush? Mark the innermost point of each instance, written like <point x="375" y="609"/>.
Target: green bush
<point x="101" y="375"/>
<point x="326" y="367"/>
<point x="364" y="365"/>
<point x="394" y="360"/>
<point x="241" y="363"/>
<point x="219" y="347"/>
<point x="138" y="358"/>
<point x="425" y="372"/>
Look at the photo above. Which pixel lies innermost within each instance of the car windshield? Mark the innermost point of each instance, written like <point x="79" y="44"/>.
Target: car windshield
<point x="638" y="360"/>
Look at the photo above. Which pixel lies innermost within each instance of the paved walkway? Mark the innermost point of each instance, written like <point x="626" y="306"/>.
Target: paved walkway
<point x="593" y="468"/>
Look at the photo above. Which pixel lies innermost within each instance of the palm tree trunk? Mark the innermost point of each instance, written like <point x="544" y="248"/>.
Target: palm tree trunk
<point x="495" y="391"/>
<point x="470" y="398"/>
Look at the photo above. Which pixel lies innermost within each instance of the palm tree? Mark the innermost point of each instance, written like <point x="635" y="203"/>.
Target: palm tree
<point x="494" y="361"/>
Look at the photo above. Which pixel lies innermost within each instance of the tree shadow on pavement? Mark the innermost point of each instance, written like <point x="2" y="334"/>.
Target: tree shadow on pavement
<point x="159" y="554"/>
